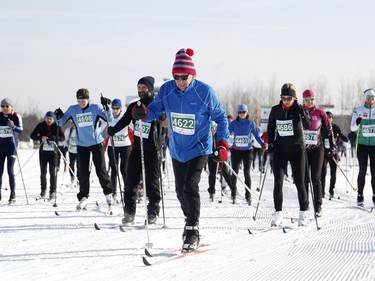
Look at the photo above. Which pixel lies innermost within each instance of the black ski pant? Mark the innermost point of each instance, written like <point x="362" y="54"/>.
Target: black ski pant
<point x="187" y="177"/>
<point x="314" y="165"/>
<point x="297" y="161"/>
<point x="47" y="159"/>
<point x="72" y="163"/>
<point x="333" y="170"/>
<point x="152" y="162"/>
<point x="10" y="156"/>
<point x="365" y="152"/>
<point x="98" y="158"/>
<point x="212" y="169"/>
<point x="121" y="153"/>
<point x="236" y="157"/>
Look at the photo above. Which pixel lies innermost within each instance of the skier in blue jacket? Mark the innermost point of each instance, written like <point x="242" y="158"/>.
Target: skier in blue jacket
<point x="242" y="149"/>
<point x="189" y="105"/>
<point x="85" y="117"/>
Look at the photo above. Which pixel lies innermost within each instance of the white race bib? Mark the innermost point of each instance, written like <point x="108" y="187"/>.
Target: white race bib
<point x="84" y="119"/>
<point x="285" y="127"/>
<point x="145" y="129"/>
<point x="120" y="140"/>
<point x="311" y="137"/>
<point x="242" y="141"/>
<point x="6" y="132"/>
<point x="48" y="146"/>
<point x="183" y="123"/>
<point x="368" y="131"/>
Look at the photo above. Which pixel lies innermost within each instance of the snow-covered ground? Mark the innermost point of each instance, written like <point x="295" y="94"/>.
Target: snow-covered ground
<point x="36" y="244"/>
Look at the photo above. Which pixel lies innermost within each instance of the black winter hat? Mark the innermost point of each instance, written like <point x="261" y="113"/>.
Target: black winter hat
<point x="83" y="94"/>
<point x="288" y="89"/>
<point x="148" y="81"/>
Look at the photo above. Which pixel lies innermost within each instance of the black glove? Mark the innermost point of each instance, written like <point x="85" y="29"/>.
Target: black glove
<point x="111" y="131"/>
<point x="139" y="111"/>
<point x="358" y="121"/>
<point x="51" y="138"/>
<point x="106" y="103"/>
<point x="330" y="152"/>
<point x="271" y="148"/>
<point x="58" y="113"/>
<point x="11" y="124"/>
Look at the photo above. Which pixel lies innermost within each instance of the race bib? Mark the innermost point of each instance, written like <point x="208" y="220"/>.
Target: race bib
<point x="368" y="131"/>
<point x="145" y="129"/>
<point x="48" y="146"/>
<point x="6" y="132"/>
<point x="311" y="137"/>
<point x="84" y="119"/>
<point x="285" y="128"/>
<point x="242" y="141"/>
<point x="183" y="123"/>
<point x="119" y="140"/>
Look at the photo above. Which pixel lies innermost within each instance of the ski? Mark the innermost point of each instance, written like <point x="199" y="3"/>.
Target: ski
<point x="170" y="256"/>
<point x="366" y="209"/>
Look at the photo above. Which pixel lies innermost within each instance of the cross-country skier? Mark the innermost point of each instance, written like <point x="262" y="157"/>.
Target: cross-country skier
<point x="10" y="128"/>
<point x="189" y="105"/>
<point x="86" y="117"/>
<point x="319" y="141"/>
<point x="152" y="143"/>
<point x="242" y="129"/>
<point x="363" y="122"/>
<point x="285" y="137"/>
<point x="48" y="134"/>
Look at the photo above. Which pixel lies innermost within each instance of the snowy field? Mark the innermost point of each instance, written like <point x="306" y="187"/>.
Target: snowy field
<point x="37" y="244"/>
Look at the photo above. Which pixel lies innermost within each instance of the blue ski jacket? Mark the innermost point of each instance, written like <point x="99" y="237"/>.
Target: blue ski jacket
<point x="189" y="114"/>
<point x="87" y="122"/>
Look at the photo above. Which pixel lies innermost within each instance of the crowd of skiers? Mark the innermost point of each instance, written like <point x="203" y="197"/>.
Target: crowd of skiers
<point x="199" y="130"/>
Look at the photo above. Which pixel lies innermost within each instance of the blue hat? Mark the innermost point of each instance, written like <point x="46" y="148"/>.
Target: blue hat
<point x="242" y="107"/>
<point x="117" y="103"/>
<point x="50" y="114"/>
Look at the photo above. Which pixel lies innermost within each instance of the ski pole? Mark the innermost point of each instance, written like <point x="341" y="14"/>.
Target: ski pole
<point x="337" y="164"/>
<point x="162" y="191"/>
<point x="19" y="165"/>
<point x="308" y="174"/>
<point x="261" y="191"/>
<point x="244" y="184"/>
<point x="148" y="244"/>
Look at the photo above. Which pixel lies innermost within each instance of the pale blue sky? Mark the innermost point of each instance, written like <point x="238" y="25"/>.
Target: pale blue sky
<point x="51" y="48"/>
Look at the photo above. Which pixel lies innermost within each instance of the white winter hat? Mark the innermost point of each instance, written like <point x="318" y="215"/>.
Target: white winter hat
<point x="369" y="93"/>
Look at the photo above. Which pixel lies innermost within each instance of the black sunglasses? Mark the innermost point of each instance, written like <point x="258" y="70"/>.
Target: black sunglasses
<point x="287" y="98"/>
<point x="5" y="106"/>
<point x="115" y="108"/>
<point x="183" y="77"/>
<point x="241" y="112"/>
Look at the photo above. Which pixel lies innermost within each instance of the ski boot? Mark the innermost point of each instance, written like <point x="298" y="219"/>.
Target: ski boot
<point x="82" y="204"/>
<point x="302" y="219"/>
<point x="278" y="218"/>
<point x="360" y="200"/>
<point x="12" y="198"/>
<point x="191" y="241"/>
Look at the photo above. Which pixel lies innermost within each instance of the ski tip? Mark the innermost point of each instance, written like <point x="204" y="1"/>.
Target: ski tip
<point x="96" y="226"/>
<point x="248" y="230"/>
<point x="147" y="253"/>
<point x="284" y="230"/>
<point x="57" y="214"/>
<point x="145" y="261"/>
<point x="97" y="203"/>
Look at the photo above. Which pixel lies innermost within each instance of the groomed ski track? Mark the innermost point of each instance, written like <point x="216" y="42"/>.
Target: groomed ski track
<point x="36" y="244"/>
